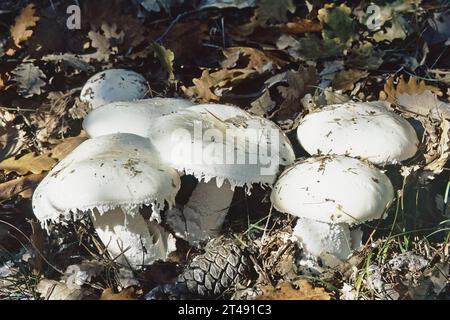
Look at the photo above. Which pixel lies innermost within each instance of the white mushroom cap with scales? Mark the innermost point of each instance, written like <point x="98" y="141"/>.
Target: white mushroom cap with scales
<point x="113" y="85"/>
<point x="221" y="142"/>
<point x="333" y="189"/>
<point x="367" y="130"/>
<point x="330" y="194"/>
<point x="111" y="176"/>
<point x="206" y="141"/>
<point x="135" y="117"/>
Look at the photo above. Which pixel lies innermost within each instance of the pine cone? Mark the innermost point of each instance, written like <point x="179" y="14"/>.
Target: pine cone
<point x="210" y="274"/>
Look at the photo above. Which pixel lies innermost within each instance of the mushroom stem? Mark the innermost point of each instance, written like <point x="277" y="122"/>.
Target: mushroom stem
<point x="130" y="239"/>
<point x="321" y="237"/>
<point x="202" y="217"/>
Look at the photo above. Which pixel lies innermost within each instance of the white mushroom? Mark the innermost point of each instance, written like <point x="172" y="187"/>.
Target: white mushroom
<point x="367" y="130"/>
<point x="329" y="194"/>
<point x="223" y="143"/>
<point x="113" y="85"/>
<point x="135" y="117"/>
<point x="111" y="178"/>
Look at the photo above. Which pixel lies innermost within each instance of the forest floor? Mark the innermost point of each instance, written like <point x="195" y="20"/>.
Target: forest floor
<point x="277" y="59"/>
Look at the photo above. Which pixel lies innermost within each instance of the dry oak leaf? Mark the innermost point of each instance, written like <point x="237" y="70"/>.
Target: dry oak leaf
<point x="204" y="86"/>
<point x="105" y="41"/>
<point x="416" y="97"/>
<point x="299" y="83"/>
<point x="20" y="30"/>
<point x="263" y="105"/>
<point x="3" y="80"/>
<point x="437" y="165"/>
<point x="345" y="80"/>
<point x="54" y="290"/>
<point x="23" y="186"/>
<point x="300" y="26"/>
<point x="39" y="163"/>
<point x="412" y="86"/>
<point x="129" y="293"/>
<point x="13" y="139"/>
<point x="425" y="104"/>
<point x="29" y="79"/>
<point x="258" y="60"/>
<point x="285" y="291"/>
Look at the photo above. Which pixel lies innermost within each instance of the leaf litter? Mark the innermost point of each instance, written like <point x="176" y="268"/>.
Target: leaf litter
<point x="276" y="59"/>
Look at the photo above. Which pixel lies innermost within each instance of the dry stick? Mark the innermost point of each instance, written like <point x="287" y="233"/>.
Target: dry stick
<point x="34" y="246"/>
<point x="178" y="18"/>
<point x="267" y="223"/>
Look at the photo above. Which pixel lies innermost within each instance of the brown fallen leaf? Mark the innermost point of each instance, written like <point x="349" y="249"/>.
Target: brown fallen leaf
<point x="28" y="163"/>
<point x="29" y="79"/>
<point x="285" y="291"/>
<point x="20" y="31"/>
<point x="412" y="86"/>
<point x="300" y="26"/>
<point x="345" y="80"/>
<point x="13" y="138"/>
<point x="299" y="83"/>
<point x="54" y="290"/>
<point x="3" y="80"/>
<point x="205" y="85"/>
<point x="258" y="60"/>
<point x="39" y="163"/>
<point x="437" y="164"/>
<point x="425" y="104"/>
<point x="99" y="12"/>
<point x="129" y="293"/>
<point x="263" y="105"/>
<point x="23" y="186"/>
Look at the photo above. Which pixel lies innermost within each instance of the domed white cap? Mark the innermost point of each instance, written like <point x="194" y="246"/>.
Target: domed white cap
<point x="367" y="130"/>
<point x="113" y="85"/>
<point x="222" y="142"/>
<point x="135" y="117"/>
<point x="333" y="189"/>
<point x="104" y="173"/>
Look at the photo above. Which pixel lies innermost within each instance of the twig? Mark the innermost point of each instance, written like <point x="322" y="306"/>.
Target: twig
<point x="177" y="19"/>
<point x="267" y="223"/>
<point x="34" y="246"/>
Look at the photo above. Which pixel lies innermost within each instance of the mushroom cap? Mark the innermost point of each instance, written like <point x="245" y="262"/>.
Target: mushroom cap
<point x="367" y="130"/>
<point x="130" y="116"/>
<point x="333" y="189"/>
<point x="113" y="85"/>
<point x="222" y="142"/>
<point x="108" y="172"/>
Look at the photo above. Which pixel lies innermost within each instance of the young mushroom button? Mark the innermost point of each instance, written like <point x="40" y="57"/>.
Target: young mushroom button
<point x="110" y="178"/>
<point x="113" y="85"/>
<point x="223" y="147"/>
<point x="329" y="194"/>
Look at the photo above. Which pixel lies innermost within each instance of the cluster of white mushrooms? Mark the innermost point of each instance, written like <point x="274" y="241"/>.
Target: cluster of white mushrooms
<point x="129" y="169"/>
<point x="340" y="186"/>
